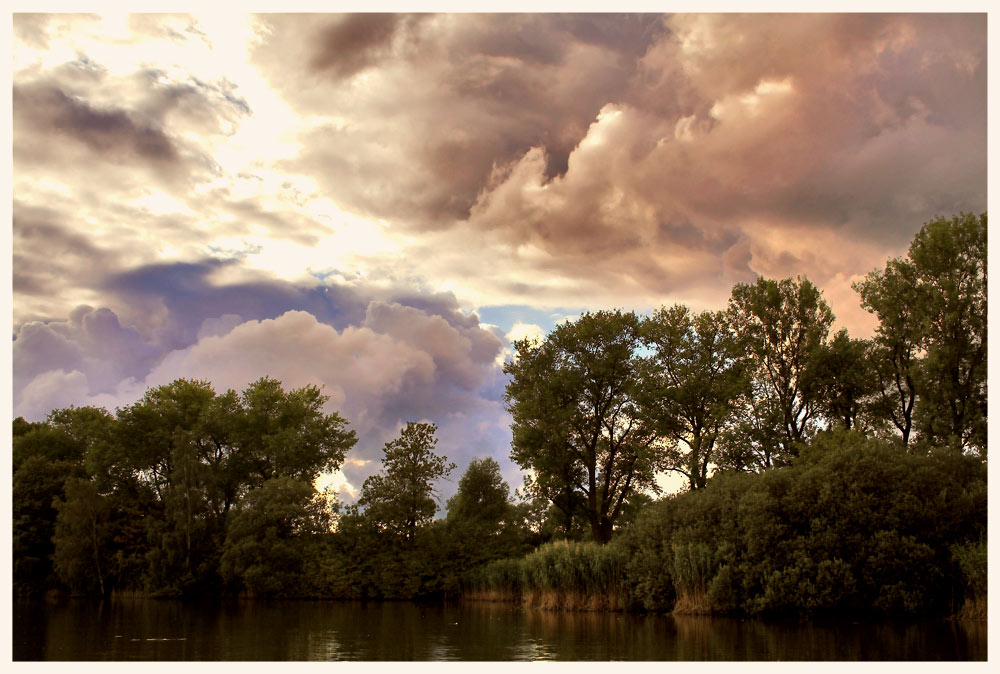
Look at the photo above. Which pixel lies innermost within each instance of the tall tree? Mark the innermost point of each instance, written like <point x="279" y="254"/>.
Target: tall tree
<point x="82" y="535"/>
<point x="401" y="498"/>
<point x="481" y="517"/>
<point x="842" y="379"/>
<point x="891" y="296"/>
<point x="949" y="256"/>
<point x="694" y="382"/>
<point x="287" y="434"/>
<point x="44" y="458"/>
<point x="932" y="333"/>
<point x="576" y="419"/>
<point x="780" y="325"/>
<point x="163" y="439"/>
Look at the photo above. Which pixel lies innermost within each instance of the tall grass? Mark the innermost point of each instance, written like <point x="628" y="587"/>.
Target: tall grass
<point x="692" y="572"/>
<point x="559" y="575"/>
<point x="972" y="559"/>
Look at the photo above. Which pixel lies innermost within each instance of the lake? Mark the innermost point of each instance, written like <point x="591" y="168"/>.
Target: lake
<point x="72" y="629"/>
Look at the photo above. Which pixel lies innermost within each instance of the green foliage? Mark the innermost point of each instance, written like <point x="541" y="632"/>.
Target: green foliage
<point x="482" y="523"/>
<point x="286" y="434"/>
<point x="949" y="257"/>
<point x="140" y="500"/>
<point x="387" y="546"/>
<point x="576" y="418"/>
<point x="972" y="559"/>
<point x="483" y="497"/>
<point x="841" y="379"/>
<point x="268" y="535"/>
<point x="401" y="499"/>
<point x="693" y="380"/>
<point x="561" y="574"/>
<point x="693" y="568"/>
<point x="780" y="325"/>
<point x="855" y="524"/>
<point x="931" y="355"/>
<point x="44" y="457"/>
<point x="810" y="507"/>
<point x="81" y="538"/>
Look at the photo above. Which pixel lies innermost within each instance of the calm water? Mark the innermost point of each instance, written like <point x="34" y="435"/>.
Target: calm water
<point x="315" y="630"/>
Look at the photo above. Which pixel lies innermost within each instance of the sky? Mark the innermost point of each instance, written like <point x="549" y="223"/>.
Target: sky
<point x="379" y="204"/>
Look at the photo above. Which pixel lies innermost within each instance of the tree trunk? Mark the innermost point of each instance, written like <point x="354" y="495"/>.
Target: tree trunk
<point x="97" y="555"/>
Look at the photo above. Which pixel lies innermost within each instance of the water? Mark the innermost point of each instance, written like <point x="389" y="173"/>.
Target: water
<point x="318" y="630"/>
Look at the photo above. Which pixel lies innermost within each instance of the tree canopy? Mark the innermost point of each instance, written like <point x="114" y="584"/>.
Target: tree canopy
<point x="574" y="399"/>
<point x="401" y="498"/>
<point x="931" y="340"/>
<point x="693" y="379"/>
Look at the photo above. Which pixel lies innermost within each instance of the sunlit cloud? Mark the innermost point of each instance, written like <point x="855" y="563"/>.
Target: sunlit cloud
<point x="433" y="187"/>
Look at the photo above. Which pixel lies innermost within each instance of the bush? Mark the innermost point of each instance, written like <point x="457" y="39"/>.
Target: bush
<point x="854" y="525"/>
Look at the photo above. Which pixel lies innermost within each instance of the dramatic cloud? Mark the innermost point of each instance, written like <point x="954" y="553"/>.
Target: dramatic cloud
<point x="337" y="199"/>
<point x="670" y="155"/>
<point x="388" y="363"/>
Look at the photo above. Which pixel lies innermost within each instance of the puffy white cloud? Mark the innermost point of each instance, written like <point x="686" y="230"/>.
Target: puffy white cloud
<point x="525" y="331"/>
<point x="401" y="364"/>
<point x="357" y="368"/>
<point x="91" y="343"/>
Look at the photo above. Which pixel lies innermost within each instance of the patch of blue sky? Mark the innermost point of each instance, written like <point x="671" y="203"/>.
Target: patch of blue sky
<point x="506" y="316"/>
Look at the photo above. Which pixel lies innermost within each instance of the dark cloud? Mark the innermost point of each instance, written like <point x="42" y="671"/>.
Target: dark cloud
<point x="180" y="296"/>
<point x="470" y="92"/>
<point x="51" y="257"/>
<point x="761" y="129"/>
<point x="353" y="42"/>
<point x="109" y="133"/>
<point x="170" y="302"/>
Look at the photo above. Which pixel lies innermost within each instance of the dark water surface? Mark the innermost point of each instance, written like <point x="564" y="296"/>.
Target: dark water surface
<point x="320" y="630"/>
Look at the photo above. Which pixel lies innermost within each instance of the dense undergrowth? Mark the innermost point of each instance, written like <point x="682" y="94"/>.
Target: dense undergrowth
<point x="855" y="526"/>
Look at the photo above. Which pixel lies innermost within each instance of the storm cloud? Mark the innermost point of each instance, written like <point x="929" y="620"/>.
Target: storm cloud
<point x="380" y="362"/>
<point x="649" y="143"/>
<point x="336" y="199"/>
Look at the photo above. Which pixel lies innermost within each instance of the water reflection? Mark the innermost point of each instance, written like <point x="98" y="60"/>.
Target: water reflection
<point x="314" y="630"/>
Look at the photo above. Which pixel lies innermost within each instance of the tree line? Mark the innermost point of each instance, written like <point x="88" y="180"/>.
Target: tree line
<point x="604" y="403"/>
<point x="189" y="492"/>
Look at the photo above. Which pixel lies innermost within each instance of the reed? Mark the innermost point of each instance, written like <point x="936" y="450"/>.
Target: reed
<point x="973" y="561"/>
<point x="563" y="575"/>
<point x="692" y="572"/>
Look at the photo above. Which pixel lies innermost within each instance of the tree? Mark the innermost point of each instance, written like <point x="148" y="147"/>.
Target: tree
<point x="780" y="325"/>
<point x="481" y="517"/>
<point x="932" y="334"/>
<point x="268" y="534"/>
<point x="163" y="441"/>
<point x="891" y="296"/>
<point x="287" y="434"/>
<point x="694" y="381"/>
<point x="198" y="455"/>
<point x="841" y="379"/>
<point x="44" y="458"/>
<point x="401" y="498"/>
<point x="949" y="257"/>
<point x="82" y="535"/>
<point x="483" y="497"/>
<point x="576" y="419"/>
